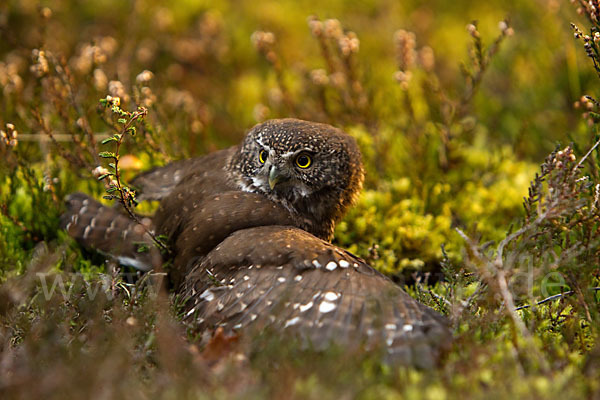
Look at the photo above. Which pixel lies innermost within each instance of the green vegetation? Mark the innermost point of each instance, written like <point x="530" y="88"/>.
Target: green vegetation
<point x="453" y="123"/>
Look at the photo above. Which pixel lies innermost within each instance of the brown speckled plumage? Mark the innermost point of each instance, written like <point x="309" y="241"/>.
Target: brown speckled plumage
<point x="249" y="228"/>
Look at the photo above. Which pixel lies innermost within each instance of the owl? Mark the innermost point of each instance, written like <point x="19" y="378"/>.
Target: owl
<point x="249" y="229"/>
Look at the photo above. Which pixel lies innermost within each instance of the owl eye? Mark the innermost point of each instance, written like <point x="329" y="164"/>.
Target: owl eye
<point x="262" y="156"/>
<point x="303" y="161"/>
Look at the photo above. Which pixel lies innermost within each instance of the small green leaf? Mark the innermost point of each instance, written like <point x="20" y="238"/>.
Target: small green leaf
<point x="122" y="121"/>
<point x="110" y="139"/>
<point x="132" y="130"/>
<point x="107" y="154"/>
<point x="111" y="165"/>
<point x="103" y="176"/>
<point x="142" y="248"/>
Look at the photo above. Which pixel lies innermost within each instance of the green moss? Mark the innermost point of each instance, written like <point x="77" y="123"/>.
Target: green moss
<point x="436" y="159"/>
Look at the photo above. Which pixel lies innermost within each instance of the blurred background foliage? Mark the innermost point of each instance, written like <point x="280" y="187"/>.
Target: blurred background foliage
<point x="212" y="82"/>
<point x="452" y="135"/>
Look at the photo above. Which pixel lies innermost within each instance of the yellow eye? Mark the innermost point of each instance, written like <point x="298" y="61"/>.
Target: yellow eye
<point x="262" y="156"/>
<point x="303" y="161"/>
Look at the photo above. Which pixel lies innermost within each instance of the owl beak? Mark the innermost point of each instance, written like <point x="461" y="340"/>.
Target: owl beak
<point x="275" y="177"/>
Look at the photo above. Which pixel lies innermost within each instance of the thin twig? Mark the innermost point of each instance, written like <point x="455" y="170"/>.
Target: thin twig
<point x="553" y="297"/>
<point x="586" y="155"/>
<point x="59" y="137"/>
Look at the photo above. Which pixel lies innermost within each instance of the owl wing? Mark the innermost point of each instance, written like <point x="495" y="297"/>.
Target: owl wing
<point x="158" y="183"/>
<point x="111" y="232"/>
<point x="285" y="279"/>
<point x="197" y="227"/>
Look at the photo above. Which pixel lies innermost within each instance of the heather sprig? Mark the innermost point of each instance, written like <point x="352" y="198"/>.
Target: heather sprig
<point x="124" y="123"/>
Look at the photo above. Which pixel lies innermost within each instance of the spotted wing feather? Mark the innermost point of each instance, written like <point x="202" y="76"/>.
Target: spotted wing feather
<point x="289" y="280"/>
<point x="109" y="231"/>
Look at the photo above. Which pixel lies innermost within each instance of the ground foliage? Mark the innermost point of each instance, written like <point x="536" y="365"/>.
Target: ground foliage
<point x="453" y="123"/>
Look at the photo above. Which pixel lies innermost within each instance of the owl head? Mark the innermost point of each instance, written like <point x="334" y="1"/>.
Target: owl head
<point x="313" y="169"/>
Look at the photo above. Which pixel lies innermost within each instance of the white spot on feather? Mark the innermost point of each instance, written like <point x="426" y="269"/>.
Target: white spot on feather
<point x="344" y="264"/>
<point x="331" y="296"/>
<point x="407" y="328"/>
<point x="207" y="295"/>
<point x="306" y="307"/>
<point x="292" y="321"/>
<point x="326" y="307"/>
<point x="390" y="327"/>
<point x="298" y="278"/>
<point x="187" y="314"/>
<point x="132" y="262"/>
<point x="331" y="265"/>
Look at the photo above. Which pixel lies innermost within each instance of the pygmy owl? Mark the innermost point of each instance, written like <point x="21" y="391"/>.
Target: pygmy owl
<point x="249" y="229"/>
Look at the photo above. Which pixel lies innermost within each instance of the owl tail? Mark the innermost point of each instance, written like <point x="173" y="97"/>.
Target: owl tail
<point x="110" y="232"/>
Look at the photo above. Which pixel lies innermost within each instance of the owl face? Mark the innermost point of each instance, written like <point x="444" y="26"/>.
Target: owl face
<point x="294" y="160"/>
